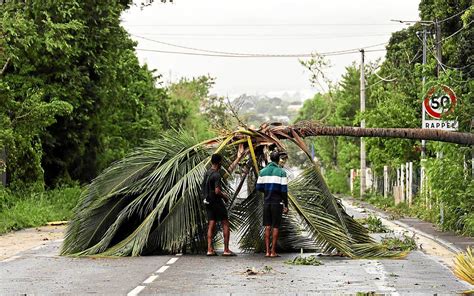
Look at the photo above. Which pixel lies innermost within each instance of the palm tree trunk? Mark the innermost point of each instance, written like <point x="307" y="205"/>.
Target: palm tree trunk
<point x="311" y="129"/>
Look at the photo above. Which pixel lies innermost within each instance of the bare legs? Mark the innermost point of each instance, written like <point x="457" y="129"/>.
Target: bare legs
<point x="210" y="235"/>
<point x="271" y="252"/>
<point x="268" y="231"/>
<point x="226" y="230"/>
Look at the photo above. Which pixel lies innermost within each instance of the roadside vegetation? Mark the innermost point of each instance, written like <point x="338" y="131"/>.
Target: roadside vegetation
<point x="394" y="95"/>
<point x="30" y="208"/>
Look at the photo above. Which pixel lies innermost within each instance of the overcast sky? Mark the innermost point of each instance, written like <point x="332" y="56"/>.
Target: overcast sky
<point x="263" y="27"/>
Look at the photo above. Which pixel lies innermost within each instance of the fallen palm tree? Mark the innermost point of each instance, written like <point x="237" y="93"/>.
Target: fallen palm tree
<point x="150" y="203"/>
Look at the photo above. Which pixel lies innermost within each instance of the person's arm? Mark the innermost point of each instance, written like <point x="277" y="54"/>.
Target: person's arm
<point x="260" y="184"/>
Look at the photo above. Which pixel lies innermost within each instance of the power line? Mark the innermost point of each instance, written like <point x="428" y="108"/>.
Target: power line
<point x="430" y="22"/>
<point x="262" y="25"/>
<point x="219" y="53"/>
<point x="256" y="55"/>
<point x="263" y="36"/>
<point x="450" y="17"/>
<point x="464" y="27"/>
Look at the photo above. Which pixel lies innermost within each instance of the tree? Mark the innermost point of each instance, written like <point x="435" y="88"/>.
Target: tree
<point x="150" y="201"/>
<point x="75" y="82"/>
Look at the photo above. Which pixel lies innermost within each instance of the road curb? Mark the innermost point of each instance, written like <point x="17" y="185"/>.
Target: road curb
<point x="449" y="246"/>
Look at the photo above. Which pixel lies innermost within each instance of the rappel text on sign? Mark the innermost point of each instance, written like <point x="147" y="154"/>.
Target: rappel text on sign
<point x="441" y="124"/>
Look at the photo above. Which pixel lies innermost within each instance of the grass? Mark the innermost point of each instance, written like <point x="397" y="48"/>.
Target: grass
<point x="417" y="209"/>
<point x="32" y="208"/>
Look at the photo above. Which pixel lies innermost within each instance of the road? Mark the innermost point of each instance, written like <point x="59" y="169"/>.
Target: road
<point x="41" y="271"/>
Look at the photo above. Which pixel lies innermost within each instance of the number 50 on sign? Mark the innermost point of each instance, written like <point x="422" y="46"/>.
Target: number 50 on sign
<point x="438" y="102"/>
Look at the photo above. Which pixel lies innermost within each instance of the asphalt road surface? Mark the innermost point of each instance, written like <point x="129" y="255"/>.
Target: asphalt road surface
<point x="41" y="271"/>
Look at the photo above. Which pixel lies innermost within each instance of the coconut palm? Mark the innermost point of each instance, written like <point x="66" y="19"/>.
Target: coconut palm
<point x="150" y="203"/>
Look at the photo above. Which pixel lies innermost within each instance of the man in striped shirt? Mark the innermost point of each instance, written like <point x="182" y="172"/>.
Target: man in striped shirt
<point x="272" y="181"/>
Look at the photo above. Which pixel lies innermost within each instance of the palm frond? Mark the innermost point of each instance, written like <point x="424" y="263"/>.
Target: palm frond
<point x="116" y="216"/>
<point x="325" y="219"/>
<point x="464" y="266"/>
<point x="150" y="201"/>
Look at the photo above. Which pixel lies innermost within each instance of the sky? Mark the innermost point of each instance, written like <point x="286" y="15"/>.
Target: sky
<point x="261" y="27"/>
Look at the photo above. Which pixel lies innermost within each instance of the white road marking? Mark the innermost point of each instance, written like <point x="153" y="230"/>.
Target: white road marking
<point x="171" y="261"/>
<point x="11" y="258"/>
<point x="374" y="267"/>
<point x="162" y="269"/>
<point x="150" y="279"/>
<point x="135" y="291"/>
<point x="179" y="254"/>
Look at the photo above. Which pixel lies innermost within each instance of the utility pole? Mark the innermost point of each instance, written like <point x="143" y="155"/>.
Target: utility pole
<point x="362" y="125"/>
<point x="438" y="47"/>
<point x="423" y="114"/>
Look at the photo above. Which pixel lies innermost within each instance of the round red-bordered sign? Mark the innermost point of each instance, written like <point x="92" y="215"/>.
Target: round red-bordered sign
<point x="435" y="106"/>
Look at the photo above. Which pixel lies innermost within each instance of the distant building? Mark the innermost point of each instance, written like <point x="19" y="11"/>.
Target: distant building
<point x="294" y="107"/>
<point x="281" y="118"/>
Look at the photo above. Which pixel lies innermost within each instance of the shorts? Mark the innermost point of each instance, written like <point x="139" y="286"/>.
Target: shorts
<point x="272" y="215"/>
<point x="216" y="211"/>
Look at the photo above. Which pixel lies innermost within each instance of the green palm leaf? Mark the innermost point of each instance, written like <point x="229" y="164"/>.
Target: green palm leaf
<point x="121" y="207"/>
<point x="150" y="202"/>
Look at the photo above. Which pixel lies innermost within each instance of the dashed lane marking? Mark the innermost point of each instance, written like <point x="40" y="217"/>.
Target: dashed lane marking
<point x="135" y="291"/>
<point x="171" y="261"/>
<point x="153" y="277"/>
<point x="150" y="279"/>
<point x="162" y="269"/>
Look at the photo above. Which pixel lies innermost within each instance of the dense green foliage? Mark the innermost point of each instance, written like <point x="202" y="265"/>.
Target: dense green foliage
<point x="394" y="94"/>
<point x="29" y="208"/>
<point x="74" y="98"/>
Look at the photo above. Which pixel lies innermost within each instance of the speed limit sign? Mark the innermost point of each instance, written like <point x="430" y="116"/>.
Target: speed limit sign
<point x="439" y="101"/>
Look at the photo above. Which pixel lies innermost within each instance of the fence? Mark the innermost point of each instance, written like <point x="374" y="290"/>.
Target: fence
<point x="402" y="182"/>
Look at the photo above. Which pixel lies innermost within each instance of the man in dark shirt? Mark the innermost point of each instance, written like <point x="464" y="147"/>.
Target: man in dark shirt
<point x="273" y="181"/>
<point x="216" y="211"/>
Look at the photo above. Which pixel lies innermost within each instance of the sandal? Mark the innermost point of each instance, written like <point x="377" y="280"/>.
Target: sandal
<point x="231" y="254"/>
<point x="212" y="254"/>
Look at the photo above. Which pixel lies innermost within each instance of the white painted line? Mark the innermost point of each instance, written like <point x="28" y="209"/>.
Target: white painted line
<point x="162" y="269"/>
<point x="11" y="259"/>
<point x="150" y="279"/>
<point x="171" y="261"/>
<point x="135" y="291"/>
<point x="179" y="254"/>
<point x="374" y="267"/>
